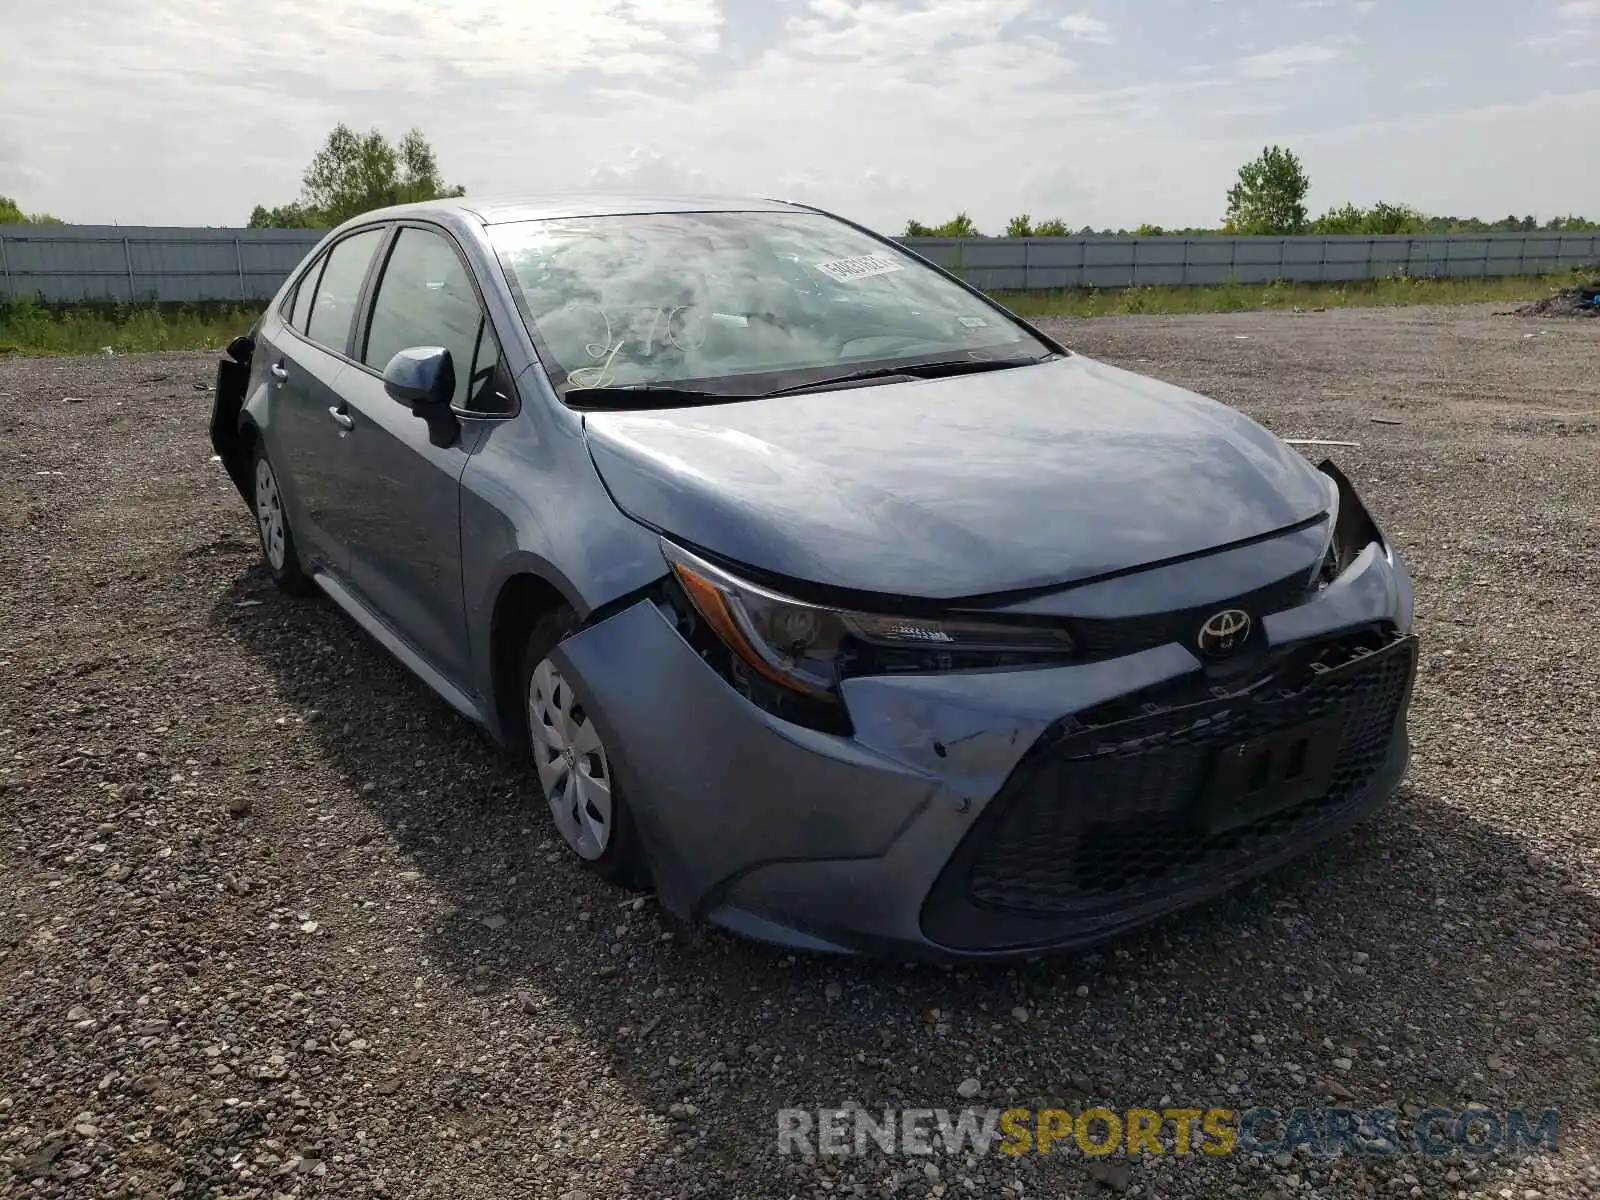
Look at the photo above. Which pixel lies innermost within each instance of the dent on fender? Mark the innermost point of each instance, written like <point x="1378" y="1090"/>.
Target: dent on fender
<point x="507" y="531"/>
<point x="841" y="798"/>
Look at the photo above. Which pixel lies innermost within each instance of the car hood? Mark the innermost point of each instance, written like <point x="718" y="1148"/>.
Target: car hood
<point x="961" y="486"/>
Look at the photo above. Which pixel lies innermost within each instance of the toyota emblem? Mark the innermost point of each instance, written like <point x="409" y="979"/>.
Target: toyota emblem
<point x="1224" y="632"/>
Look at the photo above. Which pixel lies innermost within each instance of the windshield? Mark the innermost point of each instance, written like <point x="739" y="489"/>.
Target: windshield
<point x="753" y="299"/>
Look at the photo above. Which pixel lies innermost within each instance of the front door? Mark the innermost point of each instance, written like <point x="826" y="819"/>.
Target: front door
<point x="405" y="547"/>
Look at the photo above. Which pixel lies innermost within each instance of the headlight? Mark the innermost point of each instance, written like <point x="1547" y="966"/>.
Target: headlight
<point x="806" y="649"/>
<point x="1353" y="527"/>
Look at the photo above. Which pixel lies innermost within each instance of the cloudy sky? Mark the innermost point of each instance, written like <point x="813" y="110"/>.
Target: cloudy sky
<point x="1101" y="112"/>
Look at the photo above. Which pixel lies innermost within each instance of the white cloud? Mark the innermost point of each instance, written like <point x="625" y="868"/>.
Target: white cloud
<point x="890" y="35"/>
<point x="17" y="175"/>
<point x="644" y="170"/>
<point x="1363" y="7"/>
<point x="881" y="109"/>
<point x="401" y="44"/>
<point x="1581" y="24"/>
<point x="145" y="91"/>
<point x="1287" y="60"/>
<point x="1082" y="27"/>
<point x="1555" y="41"/>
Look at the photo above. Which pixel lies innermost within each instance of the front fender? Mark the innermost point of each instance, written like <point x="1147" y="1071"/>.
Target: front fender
<point x="532" y="504"/>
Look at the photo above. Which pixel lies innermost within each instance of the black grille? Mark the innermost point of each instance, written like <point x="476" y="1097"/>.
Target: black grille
<point x="1130" y="635"/>
<point x="1100" y="818"/>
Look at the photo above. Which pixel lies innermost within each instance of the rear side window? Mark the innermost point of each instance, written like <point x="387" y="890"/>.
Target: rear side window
<point x="302" y="296"/>
<point x="426" y="299"/>
<point x="333" y="310"/>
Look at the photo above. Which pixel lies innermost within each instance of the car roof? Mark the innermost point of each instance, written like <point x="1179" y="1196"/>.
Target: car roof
<point x="497" y="210"/>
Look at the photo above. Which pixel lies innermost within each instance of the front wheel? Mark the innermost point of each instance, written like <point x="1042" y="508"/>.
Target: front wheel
<point x="585" y="801"/>
<point x="278" y="552"/>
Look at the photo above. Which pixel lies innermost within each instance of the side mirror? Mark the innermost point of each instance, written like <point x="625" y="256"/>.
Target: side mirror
<point x="422" y="377"/>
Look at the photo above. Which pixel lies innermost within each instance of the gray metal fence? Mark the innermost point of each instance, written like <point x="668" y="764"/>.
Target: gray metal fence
<point x="61" y="263"/>
<point x="1027" y="264"/>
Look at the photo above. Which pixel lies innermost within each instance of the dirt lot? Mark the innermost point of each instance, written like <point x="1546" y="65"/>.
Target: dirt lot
<point x="274" y="920"/>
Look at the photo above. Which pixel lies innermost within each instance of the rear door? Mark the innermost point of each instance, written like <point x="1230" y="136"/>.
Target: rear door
<point x="306" y="361"/>
<point x="405" y="550"/>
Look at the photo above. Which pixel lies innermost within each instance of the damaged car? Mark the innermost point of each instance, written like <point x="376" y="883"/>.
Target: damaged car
<point x="827" y="598"/>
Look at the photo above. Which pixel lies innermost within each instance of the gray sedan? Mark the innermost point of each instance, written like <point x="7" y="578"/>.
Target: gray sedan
<point x="829" y="599"/>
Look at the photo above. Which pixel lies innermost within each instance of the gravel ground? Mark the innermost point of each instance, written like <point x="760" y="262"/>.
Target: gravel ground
<point x="275" y="921"/>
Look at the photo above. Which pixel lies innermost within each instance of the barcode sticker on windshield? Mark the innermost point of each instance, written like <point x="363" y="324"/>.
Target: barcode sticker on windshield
<point x="860" y="267"/>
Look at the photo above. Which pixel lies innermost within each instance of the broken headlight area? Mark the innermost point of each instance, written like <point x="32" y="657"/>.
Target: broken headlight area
<point x="789" y="656"/>
<point x="1353" y="528"/>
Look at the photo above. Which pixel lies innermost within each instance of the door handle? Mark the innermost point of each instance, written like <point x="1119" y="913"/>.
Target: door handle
<point x="280" y="373"/>
<point x="342" y="419"/>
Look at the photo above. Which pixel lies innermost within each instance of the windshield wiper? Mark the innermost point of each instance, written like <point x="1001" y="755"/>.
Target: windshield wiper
<point x="923" y="370"/>
<point x="666" y="395"/>
<point x="647" y="395"/>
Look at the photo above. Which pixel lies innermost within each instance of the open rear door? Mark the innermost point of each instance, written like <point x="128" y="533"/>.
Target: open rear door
<point x="233" y="380"/>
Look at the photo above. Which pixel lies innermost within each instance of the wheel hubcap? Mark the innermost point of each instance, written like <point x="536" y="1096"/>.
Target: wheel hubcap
<point x="573" y="771"/>
<point x="269" y="514"/>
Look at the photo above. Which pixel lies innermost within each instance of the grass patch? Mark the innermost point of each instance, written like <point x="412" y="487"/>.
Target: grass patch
<point x="27" y="328"/>
<point x="1283" y="294"/>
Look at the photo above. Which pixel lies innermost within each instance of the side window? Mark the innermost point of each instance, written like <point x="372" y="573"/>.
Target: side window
<point x="487" y="389"/>
<point x="426" y="299"/>
<point x="303" y="292"/>
<point x="333" y="310"/>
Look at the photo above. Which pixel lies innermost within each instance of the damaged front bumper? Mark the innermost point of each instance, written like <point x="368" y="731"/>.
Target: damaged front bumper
<point x="990" y="813"/>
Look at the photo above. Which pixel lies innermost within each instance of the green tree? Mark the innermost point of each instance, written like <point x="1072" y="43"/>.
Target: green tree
<point x="1515" y="224"/>
<point x="1378" y="220"/>
<point x="1457" y="225"/>
<point x="1270" y="197"/>
<point x="1347" y="219"/>
<point x="958" y="226"/>
<point x="1148" y="230"/>
<point x="11" y="214"/>
<point x="1020" y="227"/>
<point x="355" y="173"/>
<point x="1395" y="218"/>
<point x="1054" y="227"/>
<point x="285" y="216"/>
<point x="1573" y="224"/>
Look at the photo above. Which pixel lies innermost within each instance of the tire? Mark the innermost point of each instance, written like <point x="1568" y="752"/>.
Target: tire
<point x="582" y="796"/>
<point x="279" y="555"/>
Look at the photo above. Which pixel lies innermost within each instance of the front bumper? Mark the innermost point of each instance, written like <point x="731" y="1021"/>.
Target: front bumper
<point x="942" y="828"/>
